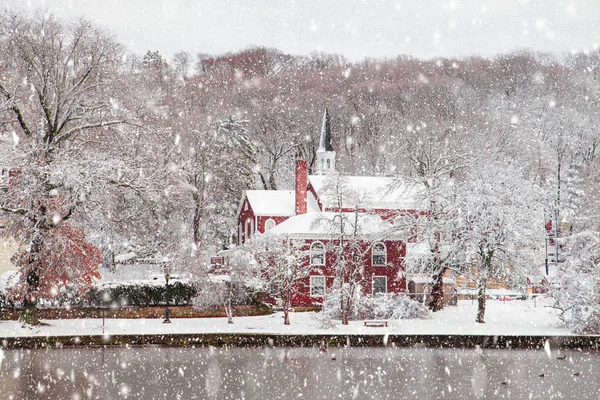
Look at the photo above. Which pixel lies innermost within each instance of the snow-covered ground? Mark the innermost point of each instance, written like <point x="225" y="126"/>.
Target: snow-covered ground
<point x="502" y="318"/>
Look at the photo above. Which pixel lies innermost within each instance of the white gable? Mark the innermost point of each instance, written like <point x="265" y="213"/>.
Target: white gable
<point x="277" y="203"/>
<point x="368" y="192"/>
<point x="272" y="202"/>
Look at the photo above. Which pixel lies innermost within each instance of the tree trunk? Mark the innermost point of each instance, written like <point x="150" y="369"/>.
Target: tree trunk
<point x="437" y="291"/>
<point x="286" y="311"/>
<point x="228" y="309"/>
<point x="29" y="314"/>
<point x="197" y="219"/>
<point x="229" y="312"/>
<point x="481" y="285"/>
<point x="345" y="302"/>
<point x="344" y="308"/>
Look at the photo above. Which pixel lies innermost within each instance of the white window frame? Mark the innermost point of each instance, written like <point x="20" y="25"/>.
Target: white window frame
<point x="269" y="221"/>
<point x="313" y="253"/>
<point x="313" y="285"/>
<point x="373" y="254"/>
<point x="373" y="284"/>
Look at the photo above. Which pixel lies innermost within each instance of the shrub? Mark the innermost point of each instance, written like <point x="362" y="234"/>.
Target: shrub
<point x="178" y="293"/>
<point x="380" y="306"/>
<point x="584" y="319"/>
<point x="217" y="293"/>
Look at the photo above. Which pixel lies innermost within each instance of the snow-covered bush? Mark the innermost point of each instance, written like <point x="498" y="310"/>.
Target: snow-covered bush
<point x="219" y="293"/>
<point x="586" y="319"/>
<point x="381" y="306"/>
<point x="575" y="288"/>
<point x="324" y="321"/>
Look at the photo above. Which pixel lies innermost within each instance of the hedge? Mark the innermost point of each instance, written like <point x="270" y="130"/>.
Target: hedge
<point x="142" y="295"/>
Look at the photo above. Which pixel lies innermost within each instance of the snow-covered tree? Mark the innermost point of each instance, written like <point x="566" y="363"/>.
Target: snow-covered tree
<point x="437" y="160"/>
<point x="230" y="286"/>
<point x="55" y="96"/>
<point x="64" y="263"/>
<point x="575" y="286"/>
<point x="283" y="264"/>
<point x="498" y="215"/>
<point x="347" y="241"/>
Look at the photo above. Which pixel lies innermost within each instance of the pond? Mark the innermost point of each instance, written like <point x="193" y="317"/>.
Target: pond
<point x="290" y="373"/>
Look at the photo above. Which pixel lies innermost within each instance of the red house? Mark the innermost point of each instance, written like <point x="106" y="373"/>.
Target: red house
<point x="313" y="213"/>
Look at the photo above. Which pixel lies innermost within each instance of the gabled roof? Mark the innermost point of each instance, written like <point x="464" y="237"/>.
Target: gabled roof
<point x="366" y="192"/>
<point x="276" y="203"/>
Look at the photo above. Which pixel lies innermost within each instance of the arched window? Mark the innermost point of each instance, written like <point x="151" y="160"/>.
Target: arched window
<point x="269" y="224"/>
<point x="317" y="253"/>
<point x="328" y="164"/>
<point x="378" y="254"/>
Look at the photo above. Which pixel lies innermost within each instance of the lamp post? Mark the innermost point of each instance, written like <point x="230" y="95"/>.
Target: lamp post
<point x="167" y="276"/>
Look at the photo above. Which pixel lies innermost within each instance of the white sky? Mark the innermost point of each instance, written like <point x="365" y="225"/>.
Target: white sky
<point x="354" y="28"/>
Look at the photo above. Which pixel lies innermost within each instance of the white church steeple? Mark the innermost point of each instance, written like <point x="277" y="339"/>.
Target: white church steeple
<point x="325" y="153"/>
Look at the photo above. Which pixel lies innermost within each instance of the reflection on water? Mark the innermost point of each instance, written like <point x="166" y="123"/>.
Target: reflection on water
<point x="239" y="373"/>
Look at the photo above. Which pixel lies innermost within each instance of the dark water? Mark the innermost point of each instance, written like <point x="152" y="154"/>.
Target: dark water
<point x="306" y="373"/>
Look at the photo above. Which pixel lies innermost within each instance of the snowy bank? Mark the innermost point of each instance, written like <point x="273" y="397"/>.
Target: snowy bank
<point x="516" y="318"/>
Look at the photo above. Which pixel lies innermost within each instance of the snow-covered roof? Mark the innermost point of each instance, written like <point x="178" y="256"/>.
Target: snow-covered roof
<point x="367" y="192"/>
<point x="272" y="202"/>
<point x="325" y="224"/>
<point x="428" y="279"/>
<point x="277" y="203"/>
<point x="417" y="250"/>
<point x="123" y="258"/>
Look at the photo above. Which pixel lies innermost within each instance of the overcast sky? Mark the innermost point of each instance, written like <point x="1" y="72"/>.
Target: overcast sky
<point x="354" y="28"/>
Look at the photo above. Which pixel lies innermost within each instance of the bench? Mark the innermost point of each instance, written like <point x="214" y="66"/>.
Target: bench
<point x="376" y="324"/>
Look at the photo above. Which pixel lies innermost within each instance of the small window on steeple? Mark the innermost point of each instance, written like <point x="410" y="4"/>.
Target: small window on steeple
<point x="328" y="164"/>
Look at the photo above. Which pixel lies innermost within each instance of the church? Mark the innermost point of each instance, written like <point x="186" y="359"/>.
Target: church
<point x="326" y="209"/>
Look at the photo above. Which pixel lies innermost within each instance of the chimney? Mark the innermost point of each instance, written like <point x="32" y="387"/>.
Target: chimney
<point x="301" y="184"/>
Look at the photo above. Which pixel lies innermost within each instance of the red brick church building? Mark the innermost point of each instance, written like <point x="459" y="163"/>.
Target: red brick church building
<point x="368" y="204"/>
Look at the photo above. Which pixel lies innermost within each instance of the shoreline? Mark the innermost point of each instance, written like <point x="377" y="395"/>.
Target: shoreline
<point x="588" y="342"/>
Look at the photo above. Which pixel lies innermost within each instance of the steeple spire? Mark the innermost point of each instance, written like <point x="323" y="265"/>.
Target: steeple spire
<point x="325" y="153"/>
<point x="325" y="142"/>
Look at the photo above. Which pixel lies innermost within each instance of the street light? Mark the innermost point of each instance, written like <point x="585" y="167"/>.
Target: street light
<point x="167" y="276"/>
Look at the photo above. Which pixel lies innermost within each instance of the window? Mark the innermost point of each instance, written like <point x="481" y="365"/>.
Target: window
<point x="317" y="254"/>
<point x="269" y="224"/>
<point x="317" y="286"/>
<point x="378" y="254"/>
<point x="274" y="288"/>
<point x="379" y="284"/>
